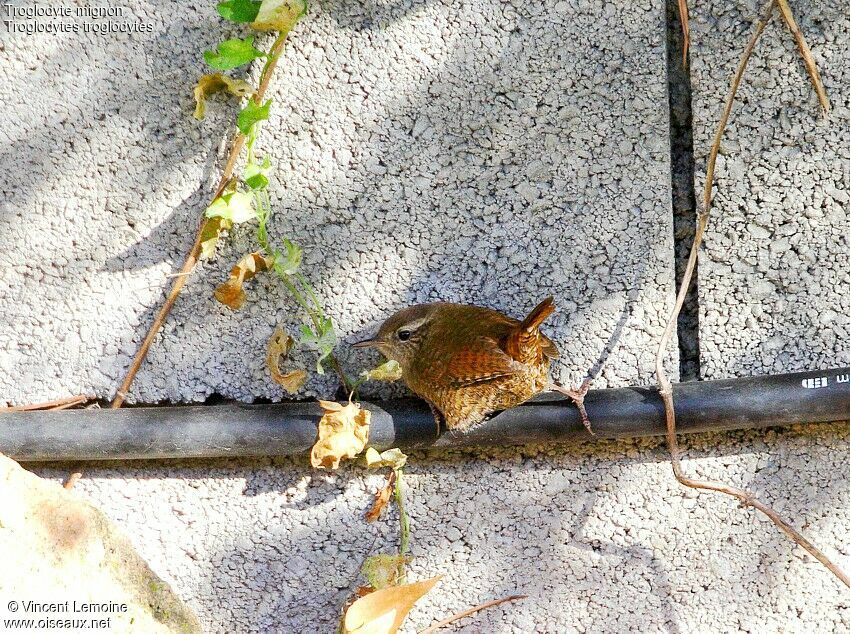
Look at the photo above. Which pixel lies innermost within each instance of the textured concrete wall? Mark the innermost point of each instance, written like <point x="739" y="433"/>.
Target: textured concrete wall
<point x="479" y="152"/>
<point x="775" y="273"/>
<point x="484" y="151"/>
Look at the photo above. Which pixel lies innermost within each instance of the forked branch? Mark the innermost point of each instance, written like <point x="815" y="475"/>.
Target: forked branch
<point x="665" y="388"/>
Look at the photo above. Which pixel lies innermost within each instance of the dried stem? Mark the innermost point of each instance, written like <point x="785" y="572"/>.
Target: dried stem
<point x="805" y="53"/>
<point x="195" y="252"/>
<point x="59" y="403"/>
<point x="686" y="30"/>
<point x="665" y="387"/>
<point x="459" y="615"/>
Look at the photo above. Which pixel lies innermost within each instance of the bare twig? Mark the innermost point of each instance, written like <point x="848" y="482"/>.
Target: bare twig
<point x="459" y="615"/>
<point x="805" y="52"/>
<point x="686" y="31"/>
<point x="59" y="403"/>
<point x="665" y="387"/>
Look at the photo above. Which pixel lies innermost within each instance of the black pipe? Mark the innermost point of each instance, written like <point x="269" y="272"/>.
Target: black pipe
<point x="290" y="428"/>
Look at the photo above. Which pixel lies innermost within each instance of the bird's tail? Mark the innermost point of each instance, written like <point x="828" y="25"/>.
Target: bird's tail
<point x="538" y="315"/>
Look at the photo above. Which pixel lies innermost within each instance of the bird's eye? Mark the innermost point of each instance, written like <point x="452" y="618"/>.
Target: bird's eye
<point x="403" y="335"/>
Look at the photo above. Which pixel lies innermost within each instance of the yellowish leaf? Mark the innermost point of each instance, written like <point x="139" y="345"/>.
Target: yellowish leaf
<point x="231" y="293"/>
<point x="343" y="432"/>
<point x="382" y="497"/>
<point x="279" y="15"/>
<point x="382" y="571"/>
<point x="390" y="458"/>
<point x="389" y="371"/>
<point x="280" y="344"/>
<point x="209" y="84"/>
<point x="383" y="611"/>
<point x="210" y="234"/>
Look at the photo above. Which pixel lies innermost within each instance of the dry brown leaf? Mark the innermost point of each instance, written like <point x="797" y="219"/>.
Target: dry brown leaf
<point x="343" y="432"/>
<point x="279" y="15"/>
<point x="383" y="611"/>
<point x="280" y="344"/>
<point x="382" y="497"/>
<point x="210" y="235"/>
<point x="231" y="293"/>
<point x="209" y="84"/>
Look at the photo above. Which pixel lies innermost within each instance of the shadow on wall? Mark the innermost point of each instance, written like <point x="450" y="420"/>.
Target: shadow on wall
<point x="487" y="174"/>
<point x="414" y="163"/>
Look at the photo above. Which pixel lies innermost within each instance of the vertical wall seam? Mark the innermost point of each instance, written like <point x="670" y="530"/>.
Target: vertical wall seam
<point x="683" y="191"/>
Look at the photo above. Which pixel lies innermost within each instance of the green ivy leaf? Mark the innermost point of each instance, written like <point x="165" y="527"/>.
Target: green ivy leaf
<point x="239" y="10"/>
<point x="324" y="341"/>
<point x="233" y="53"/>
<point x="256" y="175"/>
<point x="288" y="264"/>
<point x="251" y="114"/>
<point x="235" y="207"/>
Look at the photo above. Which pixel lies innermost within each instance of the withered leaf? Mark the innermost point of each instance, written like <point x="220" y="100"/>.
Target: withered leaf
<point x="390" y="458"/>
<point x="209" y="84"/>
<point x="343" y="432"/>
<point x="383" y="611"/>
<point x="383" y="570"/>
<point x="389" y="371"/>
<point x="279" y="15"/>
<point x="382" y="497"/>
<point x="279" y="346"/>
<point x="231" y="293"/>
<point x="210" y="234"/>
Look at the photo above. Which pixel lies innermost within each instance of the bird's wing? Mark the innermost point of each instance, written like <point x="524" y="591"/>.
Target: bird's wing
<point x="549" y="348"/>
<point x="480" y="363"/>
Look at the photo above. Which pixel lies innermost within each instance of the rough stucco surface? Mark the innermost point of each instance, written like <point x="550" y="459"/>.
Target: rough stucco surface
<point x="485" y="152"/>
<point x="599" y="536"/>
<point x="479" y="152"/>
<point x="775" y="273"/>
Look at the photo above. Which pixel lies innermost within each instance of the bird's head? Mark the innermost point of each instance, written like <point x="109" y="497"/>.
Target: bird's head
<point x="400" y="337"/>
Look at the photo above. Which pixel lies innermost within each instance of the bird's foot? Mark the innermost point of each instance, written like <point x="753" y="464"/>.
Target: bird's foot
<point x="577" y="397"/>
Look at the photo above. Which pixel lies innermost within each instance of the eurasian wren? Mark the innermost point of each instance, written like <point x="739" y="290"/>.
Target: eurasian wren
<point x="468" y="361"/>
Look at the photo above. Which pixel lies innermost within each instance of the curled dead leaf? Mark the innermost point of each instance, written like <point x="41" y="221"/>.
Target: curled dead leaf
<point x="394" y="458"/>
<point x="382" y="498"/>
<point x="231" y="293"/>
<point x="382" y="571"/>
<point x="209" y="84"/>
<point x="343" y="432"/>
<point x="211" y="232"/>
<point x="280" y="344"/>
<point x="383" y="611"/>
<point x="279" y="15"/>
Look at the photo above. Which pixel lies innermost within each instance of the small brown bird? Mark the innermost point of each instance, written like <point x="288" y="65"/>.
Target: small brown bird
<point x="468" y="361"/>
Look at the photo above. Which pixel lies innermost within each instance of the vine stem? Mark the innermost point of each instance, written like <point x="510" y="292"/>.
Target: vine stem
<point x="195" y="252"/>
<point x="665" y="387"/>
<point x="403" y="521"/>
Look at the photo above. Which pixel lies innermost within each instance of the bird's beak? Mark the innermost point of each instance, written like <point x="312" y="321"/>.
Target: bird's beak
<point x="366" y="343"/>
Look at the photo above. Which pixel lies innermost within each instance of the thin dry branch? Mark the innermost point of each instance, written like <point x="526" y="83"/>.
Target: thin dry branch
<point x="684" y="18"/>
<point x="459" y="615"/>
<point x="805" y="52"/>
<point x="665" y="388"/>
<point x="59" y="403"/>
